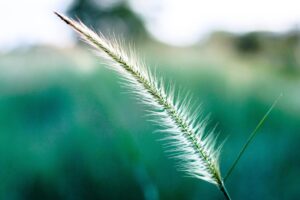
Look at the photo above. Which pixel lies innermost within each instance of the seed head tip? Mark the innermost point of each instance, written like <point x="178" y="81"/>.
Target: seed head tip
<point x="65" y="19"/>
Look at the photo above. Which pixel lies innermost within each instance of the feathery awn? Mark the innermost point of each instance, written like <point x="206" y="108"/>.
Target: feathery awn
<point x="196" y="151"/>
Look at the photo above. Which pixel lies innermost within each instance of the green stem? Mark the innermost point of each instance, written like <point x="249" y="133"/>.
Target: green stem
<point x="224" y="191"/>
<point x="251" y="137"/>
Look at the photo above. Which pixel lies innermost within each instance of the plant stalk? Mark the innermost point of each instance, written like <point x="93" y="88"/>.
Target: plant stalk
<point x="224" y="191"/>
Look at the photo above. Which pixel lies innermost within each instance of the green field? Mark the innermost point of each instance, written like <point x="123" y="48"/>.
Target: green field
<point x="68" y="130"/>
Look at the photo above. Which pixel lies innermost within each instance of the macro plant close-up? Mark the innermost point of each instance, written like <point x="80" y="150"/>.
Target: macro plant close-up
<point x="196" y="151"/>
<point x="177" y="100"/>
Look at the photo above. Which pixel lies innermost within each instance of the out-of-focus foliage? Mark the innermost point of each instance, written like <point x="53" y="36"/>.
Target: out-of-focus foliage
<point x="109" y="16"/>
<point x="277" y="51"/>
<point x="69" y="131"/>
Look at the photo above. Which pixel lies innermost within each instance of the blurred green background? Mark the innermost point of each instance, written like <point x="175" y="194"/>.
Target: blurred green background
<point x="68" y="130"/>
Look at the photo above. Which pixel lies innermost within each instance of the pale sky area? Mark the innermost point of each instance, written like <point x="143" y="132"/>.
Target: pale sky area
<point x="174" y="22"/>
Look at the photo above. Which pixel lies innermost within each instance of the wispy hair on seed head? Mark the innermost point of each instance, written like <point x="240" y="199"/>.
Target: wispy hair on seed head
<point x="184" y="131"/>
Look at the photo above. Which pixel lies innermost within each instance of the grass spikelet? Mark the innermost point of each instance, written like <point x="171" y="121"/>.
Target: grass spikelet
<point x="187" y="141"/>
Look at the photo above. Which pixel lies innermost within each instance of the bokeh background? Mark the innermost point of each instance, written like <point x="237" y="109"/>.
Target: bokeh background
<point x="69" y="131"/>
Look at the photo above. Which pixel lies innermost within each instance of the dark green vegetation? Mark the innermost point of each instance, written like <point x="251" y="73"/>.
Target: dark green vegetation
<point x="69" y="131"/>
<point x="108" y="16"/>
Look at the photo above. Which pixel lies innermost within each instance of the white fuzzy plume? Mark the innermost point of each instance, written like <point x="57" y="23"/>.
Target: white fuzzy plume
<point x="196" y="151"/>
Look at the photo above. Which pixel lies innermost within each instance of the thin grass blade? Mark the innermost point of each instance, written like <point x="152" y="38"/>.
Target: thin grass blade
<point x="251" y="137"/>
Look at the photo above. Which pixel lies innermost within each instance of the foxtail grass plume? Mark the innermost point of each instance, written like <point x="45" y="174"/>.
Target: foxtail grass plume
<point x="196" y="151"/>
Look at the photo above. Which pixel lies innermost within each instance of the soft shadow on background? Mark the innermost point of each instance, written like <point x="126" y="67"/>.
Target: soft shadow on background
<point x="68" y="130"/>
